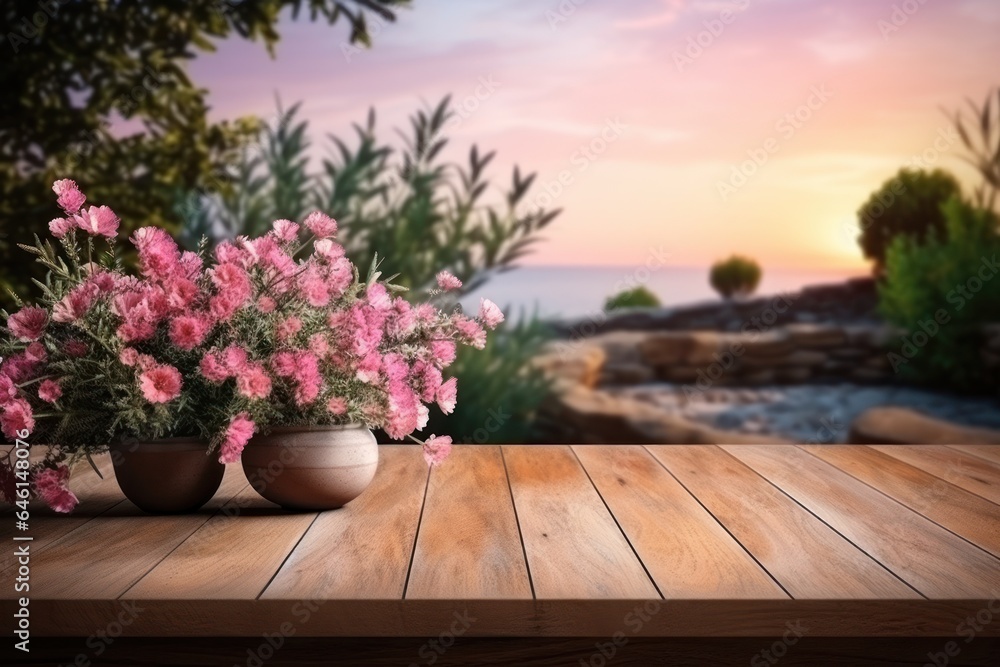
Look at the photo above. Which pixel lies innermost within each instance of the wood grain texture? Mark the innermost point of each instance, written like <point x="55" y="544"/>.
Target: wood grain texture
<point x="362" y="550"/>
<point x="805" y="555"/>
<point x="234" y="555"/>
<point x="988" y="452"/>
<point x="916" y="549"/>
<point x="468" y="546"/>
<point x="46" y="525"/>
<point x="964" y="513"/>
<point x="972" y="473"/>
<point x="687" y="552"/>
<point x="119" y="548"/>
<point x="574" y="547"/>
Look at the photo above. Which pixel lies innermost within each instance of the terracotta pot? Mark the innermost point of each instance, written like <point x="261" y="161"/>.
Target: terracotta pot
<point x="311" y="467"/>
<point x="169" y="476"/>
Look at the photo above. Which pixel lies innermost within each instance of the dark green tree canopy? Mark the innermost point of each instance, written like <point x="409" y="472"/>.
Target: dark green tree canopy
<point x="735" y="277"/>
<point x="637" y="297"/>
<point x="909" y="204"/>
<point x="71" y="68"/>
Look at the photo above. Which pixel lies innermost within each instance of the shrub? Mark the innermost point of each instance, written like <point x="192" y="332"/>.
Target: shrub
<point x="908" y="204"/>
<point x="942" y="291"/>
<point x="735" y="277"/>
<point x="639" y="297"/>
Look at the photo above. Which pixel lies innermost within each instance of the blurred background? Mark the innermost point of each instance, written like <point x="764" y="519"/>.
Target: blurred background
<point x="707" y="220"/>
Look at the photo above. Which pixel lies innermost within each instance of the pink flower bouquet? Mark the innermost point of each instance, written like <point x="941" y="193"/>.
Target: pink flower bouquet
<point x="274" y="331"/>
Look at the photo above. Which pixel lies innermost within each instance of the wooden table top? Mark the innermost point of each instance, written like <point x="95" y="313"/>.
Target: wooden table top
<point x="547" y="540"/>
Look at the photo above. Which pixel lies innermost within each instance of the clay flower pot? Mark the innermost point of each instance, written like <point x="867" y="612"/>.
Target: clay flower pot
<point x="311" y="467"/>
<point x="169" y="476"/>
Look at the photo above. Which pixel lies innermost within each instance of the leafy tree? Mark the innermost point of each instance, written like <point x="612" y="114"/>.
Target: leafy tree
<point x="942" y="292"/>
<point x="909" y="204"/>
<point x="735" y="277"/>
<point x="71" y="68"/>
<point x="639" y="297"/>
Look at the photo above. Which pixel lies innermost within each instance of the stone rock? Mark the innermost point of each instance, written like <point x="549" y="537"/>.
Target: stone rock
<point x="879" y="363"/>
<point x="677" y="373"/>
<point x="774" y="343"/>
<point x="899" y="426"/>
<point x="575" y="364"/>
<point x="757" y="378"/>
<point x="815" y="335"/>
<point x="615" y="372"/>
<point x="798" y="358"/>
<point x="875" y="336"/>
<point x="674" y="347"/>
<point x="620" y="347"/>
<point x="793" y="375"/>
<point x="865" y="374"/>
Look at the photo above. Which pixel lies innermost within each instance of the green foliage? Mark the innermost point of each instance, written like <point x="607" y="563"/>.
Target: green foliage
<point x="92" y="63"/>
<point x="499" y="388"/>
<point x="909" y="204"/>
<point x="639" y="297"/>
<point x="947" y="288"/>
<point x="735" y="277"/>
<point x="420" y="213"/>
<point x="983" y="144"/>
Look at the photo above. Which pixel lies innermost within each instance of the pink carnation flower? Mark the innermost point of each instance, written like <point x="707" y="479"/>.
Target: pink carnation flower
<point x="283" y="364"/>
<point x="237" y="436"/>
<point x="69" y="197"/>
<point x="28" y="323"/>
<point x="266" y="304"/>
<point x="285" y="231"/>
<point x="443" y="352"/>
<point x="235" y="359"/>
<point x="160" y="384"/>
<point x="60" y="227"/>
<point x="76" y="304"/>
<point x="51" y="486"/>
<point x="436" y="449"/>
<point x="49" y="391"/>
<point x="470" y="330"/>
<point x="447" y="281"/>
<point x="188" y="331"/>
<point x="17" y="418"/>
<point x="128" y="356"/>
<point x="212" y="369"/>
<point x="289" y="327"/>
<point x="254" y="382"/>
<point x="447" y="396"/>
<point x="8" y="390"/>
<point x="98" y="221"/>
<point x="490" y="313"/>
<point x="320" y="224"/>
<point x="36" y="353"/>
<point x="337" y="406"/>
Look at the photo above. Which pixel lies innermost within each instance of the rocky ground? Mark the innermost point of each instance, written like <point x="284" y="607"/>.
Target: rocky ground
<point x="805" y="413"/>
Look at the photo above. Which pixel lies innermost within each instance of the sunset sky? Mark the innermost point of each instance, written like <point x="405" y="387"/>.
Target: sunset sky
<point x="878" y="81"/>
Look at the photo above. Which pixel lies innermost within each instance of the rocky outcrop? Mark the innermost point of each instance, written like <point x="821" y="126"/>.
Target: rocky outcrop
<point x="851" y="302"/>
<point x="899" y="426"/>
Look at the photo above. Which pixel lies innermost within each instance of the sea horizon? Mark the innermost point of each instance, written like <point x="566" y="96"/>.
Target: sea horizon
<point x="572" y="291"/>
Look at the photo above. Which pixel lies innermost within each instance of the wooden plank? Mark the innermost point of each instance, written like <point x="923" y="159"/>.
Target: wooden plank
<point x="468" y="545"/>
<point x="574" y="547"/>
<point x="805" y="555"/>
<point x="969" y="472"/>
<point x="597" y="619"/>
<point x="687" y="552"/>
<point x="362" y="550"/>
<point x="96" y="496"/>
<point x="934" y="561"/>
<point x="988" y="452"/>
<point x="966" y="514"/>
<point x="103" y="558"/>
<point x="233" y="556"/>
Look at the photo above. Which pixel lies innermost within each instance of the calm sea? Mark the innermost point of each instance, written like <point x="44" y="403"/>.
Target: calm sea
<point x="576" y="291"/>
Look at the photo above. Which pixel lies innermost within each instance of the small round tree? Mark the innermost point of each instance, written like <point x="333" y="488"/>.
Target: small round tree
<point x="735" y="277"/>
<point x="908" y="204"/>
<point x="638" y="297"/>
